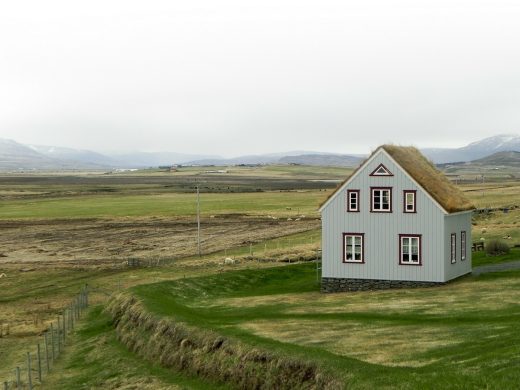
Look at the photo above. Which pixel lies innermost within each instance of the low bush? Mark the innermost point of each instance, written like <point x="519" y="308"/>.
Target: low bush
<point x="497" y="248"/>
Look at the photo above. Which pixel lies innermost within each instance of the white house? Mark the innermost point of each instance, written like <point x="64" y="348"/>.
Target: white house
<point x="395" y="222"/>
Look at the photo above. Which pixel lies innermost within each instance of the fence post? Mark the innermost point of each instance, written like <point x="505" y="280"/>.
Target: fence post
<point x="29" y="370"/>
<point x="47" y="352"/>
<point x="39" y="364"/>
<point x="58" y="335"/>
<point x="52" y="343"/>
<point x="71" y="318"/>
<point x="58" y="331"/>
<point x="64" y="326"/>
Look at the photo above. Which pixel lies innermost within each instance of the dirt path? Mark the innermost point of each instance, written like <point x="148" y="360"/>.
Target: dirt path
<point x="484" y="269"/>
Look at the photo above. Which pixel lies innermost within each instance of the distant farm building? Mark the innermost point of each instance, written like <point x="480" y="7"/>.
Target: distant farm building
<point x="395" y="222"/>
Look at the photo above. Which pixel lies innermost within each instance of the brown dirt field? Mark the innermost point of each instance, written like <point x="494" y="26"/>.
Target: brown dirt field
<point x="109" y="242"/>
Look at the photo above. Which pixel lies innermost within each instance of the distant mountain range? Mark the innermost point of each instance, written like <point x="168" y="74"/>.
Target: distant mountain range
<point x="475" y="150"/>
<point x="295" y="157"/>
<point x="16" y="156"/>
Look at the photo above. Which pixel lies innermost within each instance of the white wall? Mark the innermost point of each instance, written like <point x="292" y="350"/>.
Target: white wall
<point x="455" y="224"/>
<point x="382" y="230"/>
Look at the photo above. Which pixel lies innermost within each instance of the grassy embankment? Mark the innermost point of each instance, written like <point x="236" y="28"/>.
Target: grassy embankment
<point x="463" y="335"/>
<point x="95" y="359"/>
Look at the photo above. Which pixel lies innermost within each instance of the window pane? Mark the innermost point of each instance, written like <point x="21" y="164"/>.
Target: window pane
<point x="353" y="200"/>
<point x="349" y="252"/>
<point x="405" y="249"/>
<point x="386" y="200"/>
<point x="409" y="200"/>
<point x="353" y="248"/>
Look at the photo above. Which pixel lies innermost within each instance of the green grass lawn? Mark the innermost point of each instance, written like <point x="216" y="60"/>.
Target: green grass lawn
<point x="174" y="204"/>
<point x="482" y="258"/>
<point x="462" y="335"/>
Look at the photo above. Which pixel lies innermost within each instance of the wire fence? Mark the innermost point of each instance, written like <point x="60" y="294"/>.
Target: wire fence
<point x="41" y="360"/>
<point x="212" y="249"/>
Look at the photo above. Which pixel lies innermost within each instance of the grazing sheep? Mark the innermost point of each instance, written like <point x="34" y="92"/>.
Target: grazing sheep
<point x="2" y="275"/>
<point x="229" y="260"/>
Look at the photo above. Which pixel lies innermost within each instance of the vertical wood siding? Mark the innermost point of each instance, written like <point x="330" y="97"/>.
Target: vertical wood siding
<point x="382" y="230"/>
<point x="455" y="224"/>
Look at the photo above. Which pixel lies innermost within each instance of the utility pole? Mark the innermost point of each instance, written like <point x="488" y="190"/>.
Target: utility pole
<point x="198" y="222"/>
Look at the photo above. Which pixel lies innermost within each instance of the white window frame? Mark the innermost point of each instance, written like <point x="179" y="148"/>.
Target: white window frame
<point x="381" y="190"/>
<point x="349" y="200"/>
<point x="406" y="204"/>
<point x="453" y="248"/>
<point x="406" y="241"/>
<point x="463" y="245"/>
<point x="351" y="237"/>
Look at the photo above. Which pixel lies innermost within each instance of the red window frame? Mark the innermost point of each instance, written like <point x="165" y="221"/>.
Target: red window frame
<point x="388" y="173"/>
<point x="372" y="189"/>
<point x="349" y="208"/>
<point x="453" y="248"/>
<point x="405" y="209"/>
<point x="419" y="237"/>
<point x="344" y="243"/>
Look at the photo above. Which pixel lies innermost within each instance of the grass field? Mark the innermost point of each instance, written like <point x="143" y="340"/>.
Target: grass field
<point x="463" y="335"/>
<point x="65" y="230"/>
<point x="172" y="205"/>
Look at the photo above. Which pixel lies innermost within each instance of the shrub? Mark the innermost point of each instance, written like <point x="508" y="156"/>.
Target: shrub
<point x="496" y="248"/>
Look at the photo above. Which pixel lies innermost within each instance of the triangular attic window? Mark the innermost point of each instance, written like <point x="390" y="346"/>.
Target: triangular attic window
<point x="381" y="170"/>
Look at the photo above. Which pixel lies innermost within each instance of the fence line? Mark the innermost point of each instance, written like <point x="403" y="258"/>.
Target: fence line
<point x="39" y="363"/>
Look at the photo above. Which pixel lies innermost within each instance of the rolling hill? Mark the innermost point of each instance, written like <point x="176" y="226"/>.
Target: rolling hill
<point x="511" y="159"/>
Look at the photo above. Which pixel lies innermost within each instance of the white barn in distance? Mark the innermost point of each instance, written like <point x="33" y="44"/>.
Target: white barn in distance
<point x="395" y="222"/>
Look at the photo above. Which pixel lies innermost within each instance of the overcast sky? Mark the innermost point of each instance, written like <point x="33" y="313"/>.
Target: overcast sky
<point x="247" y="76"/>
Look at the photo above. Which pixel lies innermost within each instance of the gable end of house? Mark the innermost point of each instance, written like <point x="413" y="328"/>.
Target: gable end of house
<point x="422" y="172"/>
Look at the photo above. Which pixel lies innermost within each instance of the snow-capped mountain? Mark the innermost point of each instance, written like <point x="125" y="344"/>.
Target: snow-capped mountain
<point x="475" y="150"/>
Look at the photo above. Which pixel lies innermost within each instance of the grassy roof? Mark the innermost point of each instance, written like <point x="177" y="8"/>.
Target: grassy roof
<point x="430" y="178"/>
<point x="423" y="172"/>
